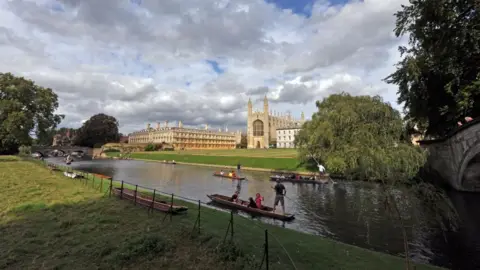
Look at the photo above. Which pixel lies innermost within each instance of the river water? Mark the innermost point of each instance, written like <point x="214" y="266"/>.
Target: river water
<point x="350" y="212"/>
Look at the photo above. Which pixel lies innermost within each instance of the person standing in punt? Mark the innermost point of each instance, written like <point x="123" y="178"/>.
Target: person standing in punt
<point x="280" y="192"/>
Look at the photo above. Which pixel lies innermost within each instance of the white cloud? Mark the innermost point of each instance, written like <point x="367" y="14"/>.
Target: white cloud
<point x="147" y="62"/>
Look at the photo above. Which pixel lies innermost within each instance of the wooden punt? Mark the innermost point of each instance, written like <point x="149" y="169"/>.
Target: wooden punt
<point x="230" y="177"/>
<point x="146" y="200"/>
<point x="243" y="206"/>
<point x="101" y="176"/>
<point x="72" y="175"/>
<point x="323" y="180"/>
<point x="168" y="162"/>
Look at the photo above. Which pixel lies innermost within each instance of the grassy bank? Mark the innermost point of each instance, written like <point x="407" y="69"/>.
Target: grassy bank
<point x="50" y="221"/>
<point x="254" y="161"/>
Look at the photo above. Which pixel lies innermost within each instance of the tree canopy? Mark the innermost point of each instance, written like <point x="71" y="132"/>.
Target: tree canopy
<point x="439" y="75"/>
<point x="98" y="130"/>
<point x="25" y="109"/>
<point x="359" y="137"/>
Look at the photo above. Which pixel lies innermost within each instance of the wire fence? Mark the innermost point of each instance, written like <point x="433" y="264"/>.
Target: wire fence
<point x="235" y="234"/>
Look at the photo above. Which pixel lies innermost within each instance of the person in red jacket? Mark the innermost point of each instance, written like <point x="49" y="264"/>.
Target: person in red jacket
<point x="258" y="200"/>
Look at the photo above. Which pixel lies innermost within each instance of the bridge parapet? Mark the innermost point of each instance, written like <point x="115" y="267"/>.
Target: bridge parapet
<point x="46" y="150"/>
<point x="449" y="156"/>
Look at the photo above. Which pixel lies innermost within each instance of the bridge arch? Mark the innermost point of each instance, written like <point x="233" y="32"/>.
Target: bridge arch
<point x="470" y="154"/>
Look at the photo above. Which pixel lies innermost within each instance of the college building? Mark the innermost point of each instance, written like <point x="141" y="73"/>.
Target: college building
<point x="186" y="138"/>
<point x="262" y="125"/>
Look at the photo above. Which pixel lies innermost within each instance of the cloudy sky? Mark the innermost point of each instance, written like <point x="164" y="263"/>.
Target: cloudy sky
<point x="198" y="60"/>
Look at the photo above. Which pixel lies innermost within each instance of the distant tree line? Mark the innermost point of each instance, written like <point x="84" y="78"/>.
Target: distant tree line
<point x="27" y="117"/>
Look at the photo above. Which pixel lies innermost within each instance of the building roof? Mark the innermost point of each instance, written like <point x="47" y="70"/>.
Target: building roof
<point x="290" y="127"/>
<point x="212" y="131"/>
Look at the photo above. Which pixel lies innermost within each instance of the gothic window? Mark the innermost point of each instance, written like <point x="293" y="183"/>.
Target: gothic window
<point x="257" y="128"/>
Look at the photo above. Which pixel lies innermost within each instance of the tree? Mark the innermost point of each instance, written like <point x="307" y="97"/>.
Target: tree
<point x="98" y="130"/>
<point x="359" y="137"/>
<point x="25" y="109"/>
<point x="439" y="75"/>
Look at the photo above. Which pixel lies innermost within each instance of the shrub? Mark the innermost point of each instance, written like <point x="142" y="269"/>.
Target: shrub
<point x="150" y="147"/>
<point x="24" y="150"/>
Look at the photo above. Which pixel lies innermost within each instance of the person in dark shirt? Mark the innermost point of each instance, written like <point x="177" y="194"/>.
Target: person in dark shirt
<point x="252" y="203"/>
<point x="280" y="192"/>
<point x="234" y="198"/>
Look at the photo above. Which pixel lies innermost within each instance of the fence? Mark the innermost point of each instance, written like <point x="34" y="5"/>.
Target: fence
<point x="154" y="199"/>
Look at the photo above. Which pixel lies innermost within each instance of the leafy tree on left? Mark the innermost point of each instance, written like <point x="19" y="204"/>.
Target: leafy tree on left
<point x="25" y="109"/>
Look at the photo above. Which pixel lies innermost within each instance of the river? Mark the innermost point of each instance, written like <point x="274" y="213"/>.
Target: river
<point x="350" y="212"/>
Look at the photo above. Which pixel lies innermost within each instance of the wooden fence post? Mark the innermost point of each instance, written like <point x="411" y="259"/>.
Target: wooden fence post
<point x="135" y="199"/>
<point x="111" y="183"/>
<point x="153" y="200"/>
<point x="121" y="191"/>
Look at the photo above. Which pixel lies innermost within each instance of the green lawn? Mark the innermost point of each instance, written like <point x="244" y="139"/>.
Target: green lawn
<point x="287" y="164"/>
<point x="49" y="221"/>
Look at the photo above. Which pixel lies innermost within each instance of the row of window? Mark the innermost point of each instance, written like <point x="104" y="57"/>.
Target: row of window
<point x="285" y="145"/>
<point x="285" y="138"/>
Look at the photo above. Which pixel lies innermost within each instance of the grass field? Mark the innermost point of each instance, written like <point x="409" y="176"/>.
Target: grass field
<point x="274" y="159"/>
<point x="268" y="153"/>
<point x="48" y="221"/>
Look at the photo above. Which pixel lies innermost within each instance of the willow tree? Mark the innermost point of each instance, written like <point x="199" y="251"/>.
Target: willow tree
<point x="359" y="137"/>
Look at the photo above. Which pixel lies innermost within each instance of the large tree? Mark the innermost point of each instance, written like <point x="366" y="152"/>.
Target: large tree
<point x="439" y="75"/>
<point x="360" y="137"/>
<point x="98" y="130"/>
<point x="26" y="109"/>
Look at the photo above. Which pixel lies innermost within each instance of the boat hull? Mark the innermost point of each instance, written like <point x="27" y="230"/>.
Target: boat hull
<point x="229" y="177"/>
<point x="301" y="181"/>
<point x="146" y="200"/>
<point x="265" y="211"/>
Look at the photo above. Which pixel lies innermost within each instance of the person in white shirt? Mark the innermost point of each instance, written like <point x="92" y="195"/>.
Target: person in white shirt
<point x="321" y="169"/>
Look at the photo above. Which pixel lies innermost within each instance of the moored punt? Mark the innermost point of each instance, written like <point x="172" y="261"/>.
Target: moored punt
<point x="168" y="162"/>
<point x="226" y="176"/>
<point x="146" y="200"/>
<point x="101" y="176"/>
<point x="72" y="175"/>
<point x="323" y="180"/>
<point x="243" y="206"/>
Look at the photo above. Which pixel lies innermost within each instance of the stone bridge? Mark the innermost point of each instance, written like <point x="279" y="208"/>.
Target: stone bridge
<point x="449" y="157"/>
<point x="64" y="150"/>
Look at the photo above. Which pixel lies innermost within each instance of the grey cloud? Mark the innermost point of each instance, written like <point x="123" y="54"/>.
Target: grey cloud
<point x="176" y="34"/>
<point x="263" y="90"/>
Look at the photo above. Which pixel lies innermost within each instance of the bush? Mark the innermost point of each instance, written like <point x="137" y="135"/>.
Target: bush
<point x="150" y="147"/>
<point x="25" y="150"/>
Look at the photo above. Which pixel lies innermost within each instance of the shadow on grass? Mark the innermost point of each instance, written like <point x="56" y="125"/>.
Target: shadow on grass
<point x="108" y="234"/>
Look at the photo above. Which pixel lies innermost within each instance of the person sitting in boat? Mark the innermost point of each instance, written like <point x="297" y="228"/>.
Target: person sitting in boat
<point x="173" y="161"/>
<point x="230" y="174"/>
<point x="233" y="174"/>
<point x="221" y="172"/>
<point x="251" y="203"/>
<point x="258" y="200"/>
<point x="234" y="197"/>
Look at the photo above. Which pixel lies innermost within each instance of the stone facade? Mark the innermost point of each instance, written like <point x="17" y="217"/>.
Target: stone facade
<point x="262" y="126"/>
<point x="286" y="136"/>
<point x="449" y="156"/>
<point x="186" y="138"/>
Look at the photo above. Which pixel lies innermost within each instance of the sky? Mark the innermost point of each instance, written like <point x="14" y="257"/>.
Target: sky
<point x="199" y="61"/>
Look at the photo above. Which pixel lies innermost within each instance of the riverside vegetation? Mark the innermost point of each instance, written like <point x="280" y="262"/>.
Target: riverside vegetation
<point x="49" y="221"/>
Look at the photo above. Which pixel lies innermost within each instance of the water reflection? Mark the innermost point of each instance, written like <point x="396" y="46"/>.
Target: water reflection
<point x="351" y="212"/>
